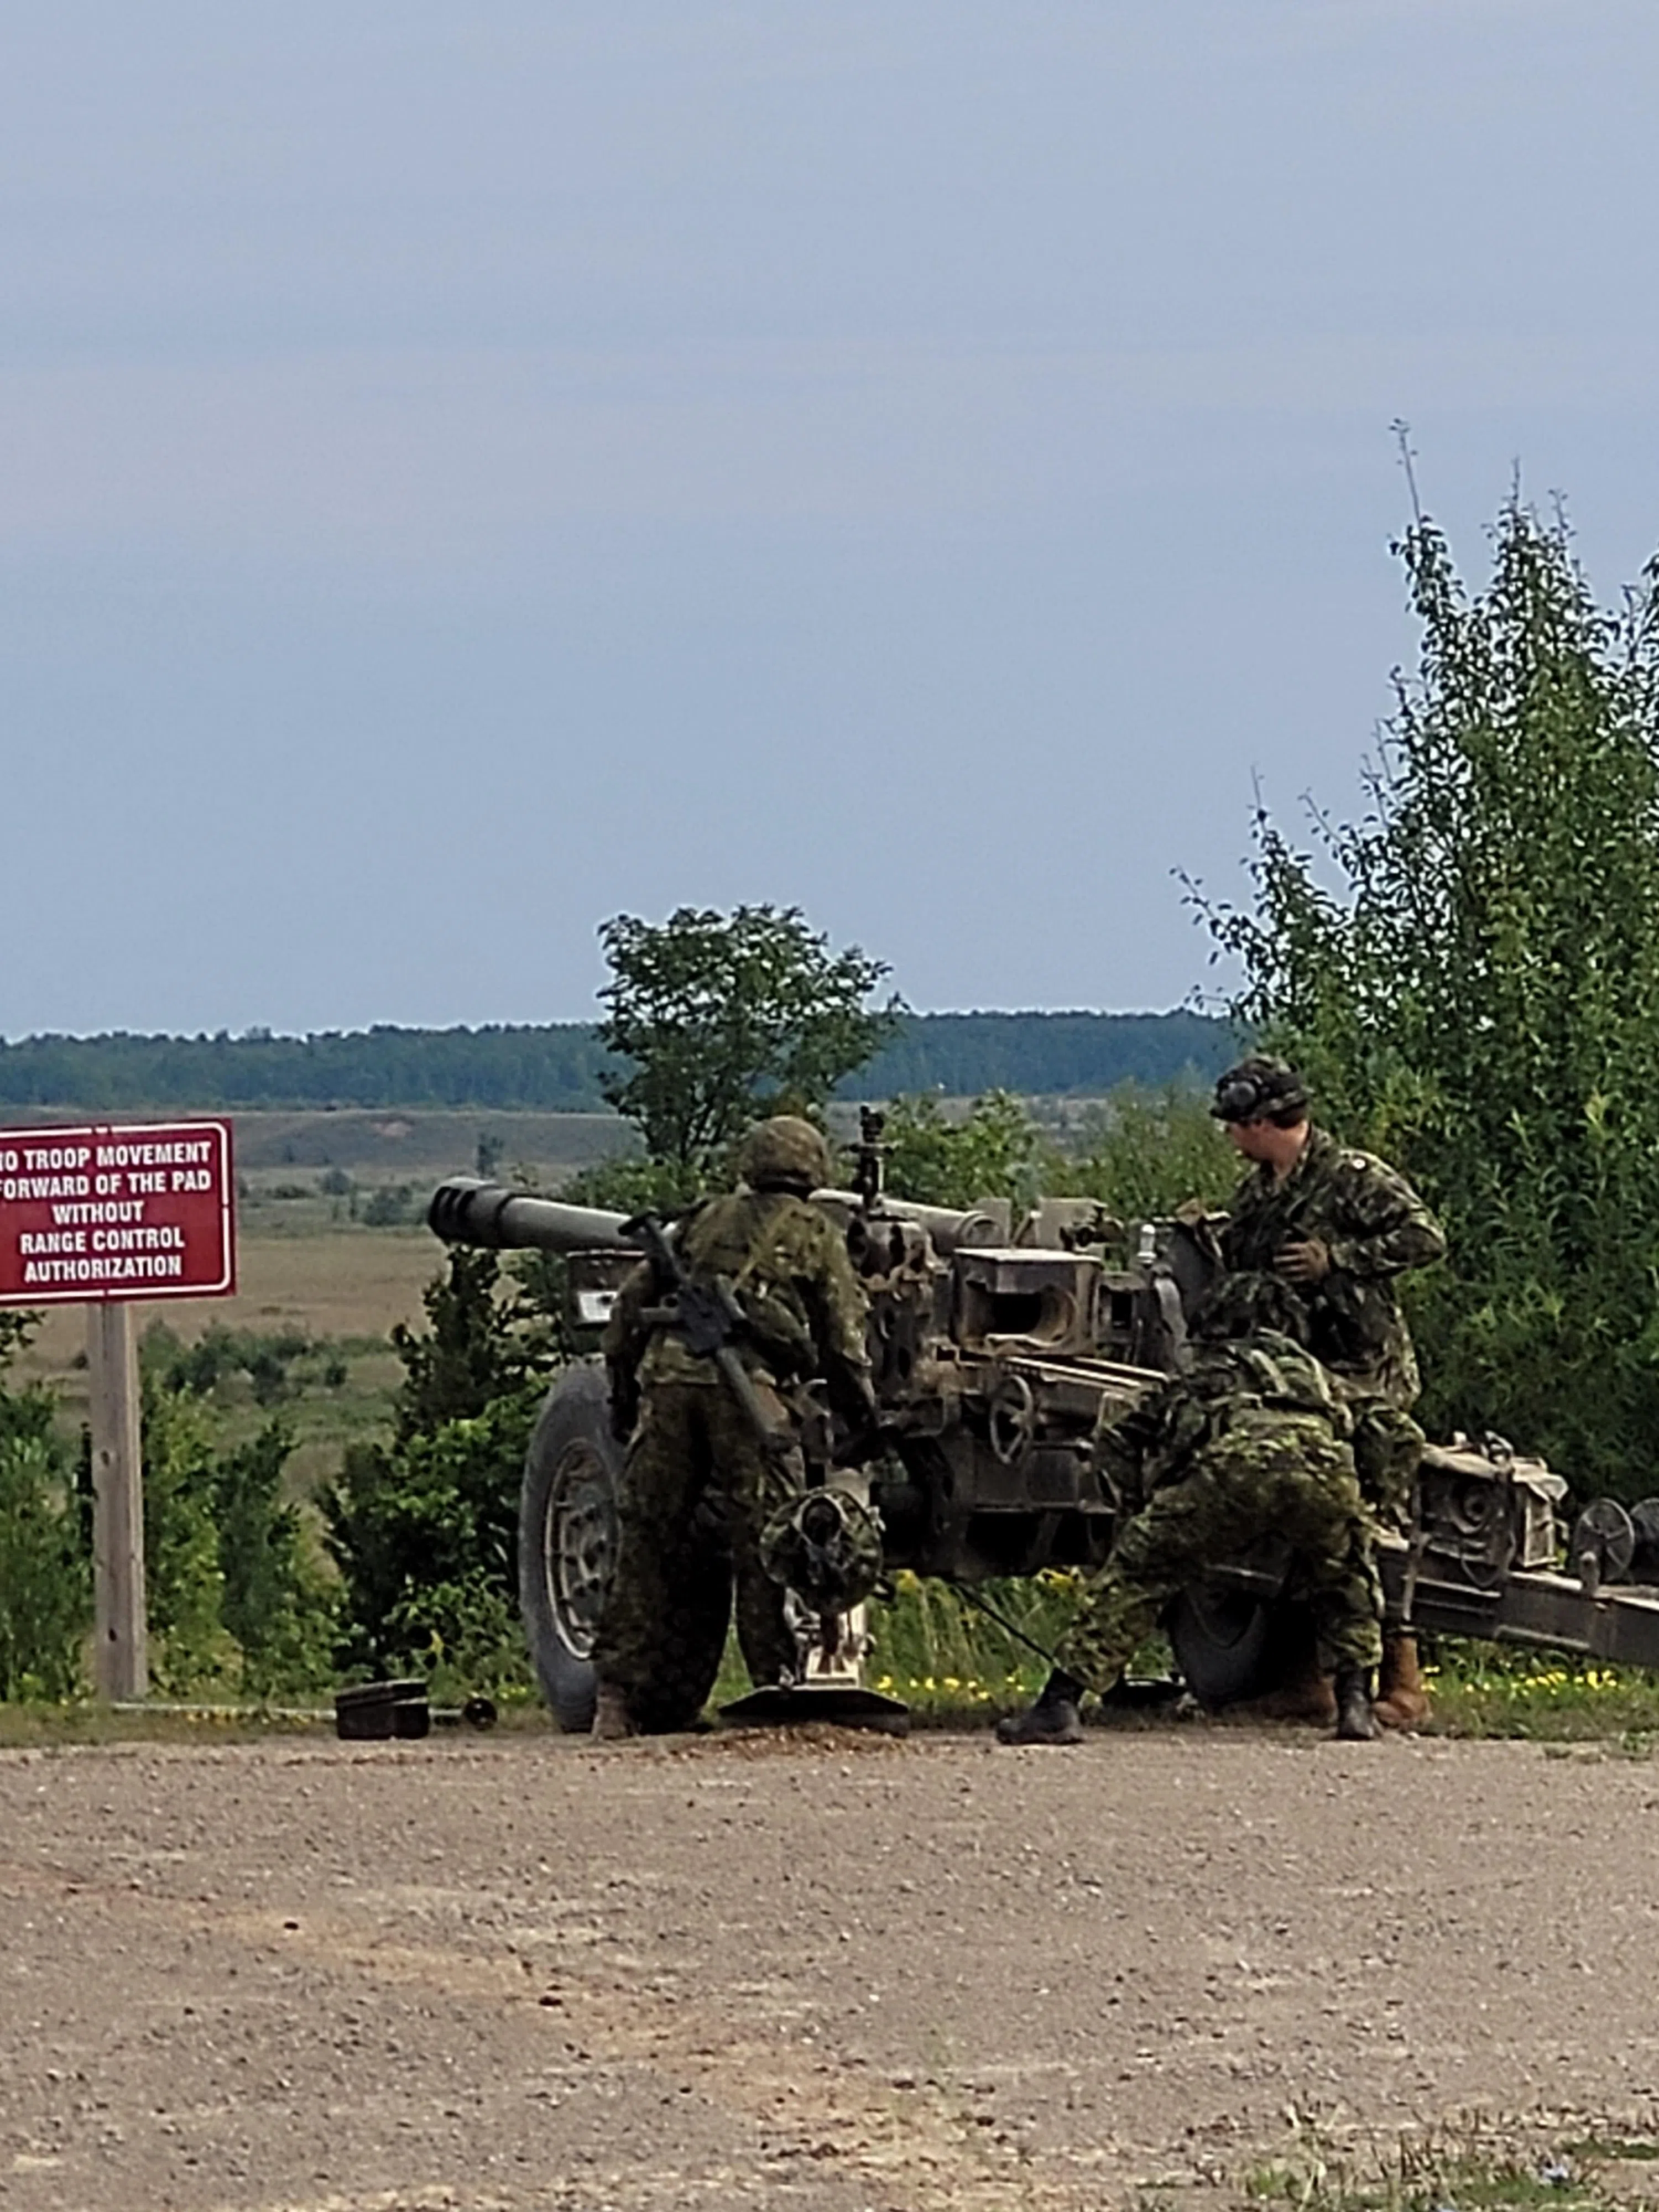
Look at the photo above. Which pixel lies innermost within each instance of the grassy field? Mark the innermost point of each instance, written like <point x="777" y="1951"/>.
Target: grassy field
<point x="395" y="1142"/>
<point x="342" y="1286"/>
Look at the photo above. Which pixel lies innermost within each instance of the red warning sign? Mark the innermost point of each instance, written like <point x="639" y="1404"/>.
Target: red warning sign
<point x="144" y="1211"/>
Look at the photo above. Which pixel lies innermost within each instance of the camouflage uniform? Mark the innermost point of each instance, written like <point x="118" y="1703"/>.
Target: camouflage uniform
<point x="698" y="1484"/>
<point x="1250" y="1441"/>
<point x="1374" y="1226"/>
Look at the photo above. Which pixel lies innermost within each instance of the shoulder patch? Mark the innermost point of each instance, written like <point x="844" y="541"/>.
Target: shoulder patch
<point x="1364" y="1162"/>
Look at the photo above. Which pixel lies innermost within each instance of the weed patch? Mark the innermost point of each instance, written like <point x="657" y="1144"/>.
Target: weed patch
<point x="1467" y="2170"/>
<point x="1480" y="1690"/>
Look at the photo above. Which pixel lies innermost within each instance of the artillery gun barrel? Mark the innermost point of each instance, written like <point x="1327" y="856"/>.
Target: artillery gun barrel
<point x="948" y="1227"/>
<point x="466" y="1210"/>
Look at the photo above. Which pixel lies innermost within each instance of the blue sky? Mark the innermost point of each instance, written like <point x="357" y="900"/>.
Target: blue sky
<point x="468" y="471"/>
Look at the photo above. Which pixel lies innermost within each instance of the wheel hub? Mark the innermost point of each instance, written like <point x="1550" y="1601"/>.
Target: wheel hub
<point x="578" y="1546"/>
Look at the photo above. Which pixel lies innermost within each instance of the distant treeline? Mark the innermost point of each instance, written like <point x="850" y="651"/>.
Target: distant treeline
<point x="1044" y="1055"/>
<point x="556" y="1068"/>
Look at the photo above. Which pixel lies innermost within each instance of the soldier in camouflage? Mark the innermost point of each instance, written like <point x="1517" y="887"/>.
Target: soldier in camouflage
<point x="1318" y="1233"/>
<point x="699" y="1483"/>
<point x="1250" y="1440"/>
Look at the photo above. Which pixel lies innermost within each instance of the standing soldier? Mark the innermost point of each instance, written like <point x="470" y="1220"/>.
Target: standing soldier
<point x="700" y="1479"/>
<point x="1250" y="1440"/>
<point x="1329" y="1229"/>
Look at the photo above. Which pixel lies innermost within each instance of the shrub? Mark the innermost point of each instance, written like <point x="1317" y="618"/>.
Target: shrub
<point x="472" y="1353"/>
<point x="275" y="1603"/>
<point x="218" y="1353"/>
<point x="424" y="1529"/>
<point x="190" y="1648"/>
<point x="424" y="1534"/>
<point x="389" y="1208"/>
<point x="46" y="1584"/>
<point x="45" y="1587"/>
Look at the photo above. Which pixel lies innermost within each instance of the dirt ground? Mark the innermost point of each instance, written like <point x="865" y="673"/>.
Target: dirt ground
<point x="818" y="1971"/>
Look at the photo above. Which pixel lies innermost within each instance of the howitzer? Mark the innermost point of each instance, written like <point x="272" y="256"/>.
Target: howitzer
<point x="993" y="1362"/>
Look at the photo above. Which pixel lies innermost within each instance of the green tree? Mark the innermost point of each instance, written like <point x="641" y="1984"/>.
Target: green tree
<point x="992" y="1151"/>
<point x="1469" y="973"/>
<point x="470" y="1353"/>
<point x="1145" y="1153"/>
<point x="1140" y="1152"/>
<point x="720" y="1017"/>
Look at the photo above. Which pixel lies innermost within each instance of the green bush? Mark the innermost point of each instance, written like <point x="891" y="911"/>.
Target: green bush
<point x="190" y="1649"/>
<point x="220" y="1354"/>
<point x="639" y="1186"/>
<point x="424" y="1529"/>
<point x="1478" y="996"/>
<point x="1140" y="1152"/>
<point x="46" y="1582"/>
<point x="389" y="1208"/>
<point x="238" y="1601"/>
<point x="274" y="1602"/>
<point x="424" y="1534"/>
<point x="476" y="1348"/>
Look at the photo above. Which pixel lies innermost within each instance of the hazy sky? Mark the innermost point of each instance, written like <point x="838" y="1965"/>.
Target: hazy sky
<point x="467" y="471"/>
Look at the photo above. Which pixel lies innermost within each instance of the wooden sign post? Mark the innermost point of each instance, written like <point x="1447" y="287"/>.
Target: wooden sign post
<point x="121" y="1655"/>
<point x="107" y="1216"/>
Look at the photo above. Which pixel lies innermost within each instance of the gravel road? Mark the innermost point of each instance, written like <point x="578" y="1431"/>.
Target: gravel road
<point x="819" y="1972"/>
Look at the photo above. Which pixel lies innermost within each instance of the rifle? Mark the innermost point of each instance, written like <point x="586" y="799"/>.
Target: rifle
<point x="706" y="1317"/>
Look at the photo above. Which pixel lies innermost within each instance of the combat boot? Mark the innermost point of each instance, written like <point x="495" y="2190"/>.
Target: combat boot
<point x="1402" y="1700"/>
<point x="1355" y="1722"/>
<point x="1054" y="1718"/>
<point x="612" y="1720"/>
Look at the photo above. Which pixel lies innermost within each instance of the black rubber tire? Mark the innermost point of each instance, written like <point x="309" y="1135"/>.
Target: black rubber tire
<point x="1228" y="1647"/>
<point x="568" y="1538"/>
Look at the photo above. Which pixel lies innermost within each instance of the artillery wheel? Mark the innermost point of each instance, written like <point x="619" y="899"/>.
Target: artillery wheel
<point x="1603" y="1541"/>
<point x="567" y="1540"/>
<point x="1230" y="1647"/>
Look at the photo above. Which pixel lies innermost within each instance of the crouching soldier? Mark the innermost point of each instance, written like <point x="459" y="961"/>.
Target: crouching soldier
<point x="1332" y="1229"/>
<point x="1249" y="1441"/>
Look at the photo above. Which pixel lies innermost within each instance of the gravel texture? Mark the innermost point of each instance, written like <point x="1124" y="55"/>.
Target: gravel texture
<point x="817" y="1970"/>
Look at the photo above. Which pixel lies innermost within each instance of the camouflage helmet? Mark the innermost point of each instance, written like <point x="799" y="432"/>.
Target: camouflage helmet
<point x="1246" y="1302"/>
<point x="784" y="1153"/>
<point x="1271" y="1365"/>
<point x="1260" y="1088"/>
<point x="825" y="1544"/>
